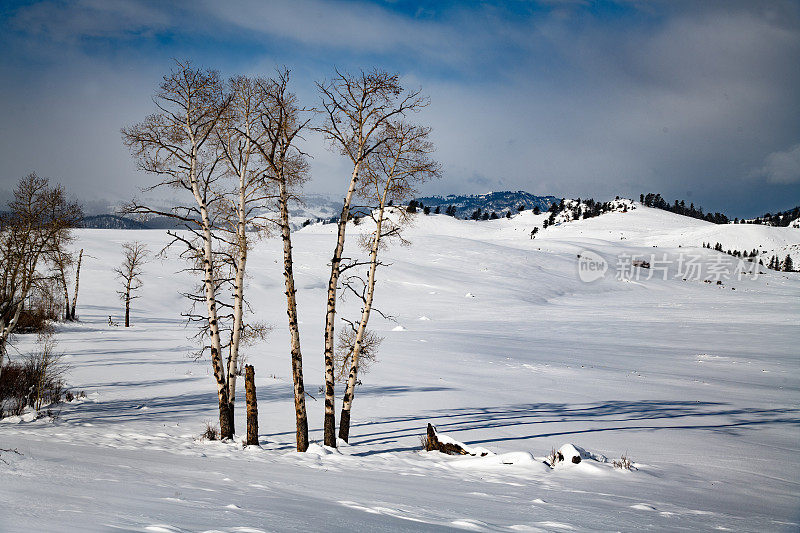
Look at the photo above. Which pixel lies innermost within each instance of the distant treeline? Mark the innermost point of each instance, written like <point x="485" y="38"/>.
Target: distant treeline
<point x="780" y="219"/>
<point x="679" y="207"/>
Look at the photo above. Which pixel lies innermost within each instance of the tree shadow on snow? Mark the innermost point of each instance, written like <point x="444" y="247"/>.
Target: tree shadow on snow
<point x="176" y="408"/>
<point x="601" y="417"/>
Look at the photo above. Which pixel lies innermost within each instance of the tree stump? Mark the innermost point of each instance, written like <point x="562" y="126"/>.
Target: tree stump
<point x="252" y="405"/>
<point x="432" y="443"/>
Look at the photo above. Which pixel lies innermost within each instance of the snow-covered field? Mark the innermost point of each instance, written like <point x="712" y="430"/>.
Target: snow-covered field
<point x="497" y="342"/>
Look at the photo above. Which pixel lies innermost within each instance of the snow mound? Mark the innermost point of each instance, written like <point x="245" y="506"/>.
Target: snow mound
<point x="320" y="450"/>
<point x="571" y="454"/>
<point x="503" y="460"/>
<point x="398" y="328"/>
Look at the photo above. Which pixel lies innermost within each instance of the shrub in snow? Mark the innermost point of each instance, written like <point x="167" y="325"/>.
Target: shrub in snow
<point x="35" y="382"/>
<point x="624" y="463"/>
<point x="210" y="433"/>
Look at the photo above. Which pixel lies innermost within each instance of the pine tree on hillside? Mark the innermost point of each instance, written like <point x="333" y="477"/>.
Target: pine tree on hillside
<point x="787" y="264"/>
<point x="536" y="210"/>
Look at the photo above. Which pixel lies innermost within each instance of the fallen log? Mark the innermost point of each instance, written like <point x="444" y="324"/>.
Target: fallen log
<point x="445" y="445"/>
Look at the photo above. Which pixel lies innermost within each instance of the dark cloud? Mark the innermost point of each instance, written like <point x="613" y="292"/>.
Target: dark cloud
<point x="564" y="98"/>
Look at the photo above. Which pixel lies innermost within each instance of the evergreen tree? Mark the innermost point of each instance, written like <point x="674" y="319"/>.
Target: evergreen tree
<point x="787" y="264"/>
<point x="437" y="211"/>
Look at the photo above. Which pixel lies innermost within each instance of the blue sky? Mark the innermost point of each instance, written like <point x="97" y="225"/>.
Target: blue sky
<point x="695" y="100"/>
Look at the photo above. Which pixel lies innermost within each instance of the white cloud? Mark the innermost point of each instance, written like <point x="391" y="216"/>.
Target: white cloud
<point x="781" y="167"/>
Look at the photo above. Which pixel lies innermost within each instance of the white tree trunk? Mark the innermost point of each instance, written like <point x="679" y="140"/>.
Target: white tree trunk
<point x="77" y="282"/>
<point x="294" y="330"/>
<point x="350" y="388"/>
<point x="238" y="297"/>
<point x="225" y="422"/>
<point x="330" y="314"/>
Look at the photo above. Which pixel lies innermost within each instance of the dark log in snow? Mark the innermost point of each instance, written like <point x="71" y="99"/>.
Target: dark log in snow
<point x="433" y="443"/>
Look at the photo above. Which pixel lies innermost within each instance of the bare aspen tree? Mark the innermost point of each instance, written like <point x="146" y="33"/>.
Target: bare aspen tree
<point x="37" y="224"/>
<point x="135" y="256"/>
<point x="355" y="109"/>
<point x="391" y="173"/>
<point x="173" y="144"/>
<point x="281" y="121"/>
<point x="236" y="138"/>
<point x="72" y="315"/>
<point x="62" y="261"/>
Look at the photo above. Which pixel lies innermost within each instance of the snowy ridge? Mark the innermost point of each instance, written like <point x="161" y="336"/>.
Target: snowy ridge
<point x="696" y="382"/>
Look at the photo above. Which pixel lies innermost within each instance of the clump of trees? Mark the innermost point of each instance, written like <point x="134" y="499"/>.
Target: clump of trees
<point x="679" y="207"/>
<point x="779" y="219"/>
<point x="231" y="149"/>
<point x="34" y="234"/>
<point x="775" y="263"/>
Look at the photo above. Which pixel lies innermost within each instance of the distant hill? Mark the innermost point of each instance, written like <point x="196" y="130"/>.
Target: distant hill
<point x="111" y="222"/>
<point x="499" y="202"/>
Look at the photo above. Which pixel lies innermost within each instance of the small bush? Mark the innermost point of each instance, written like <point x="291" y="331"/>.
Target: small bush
<point x="554" y="457"/>
<point x="68" y="396"/>
<point x="423" y="440"/>
<point x="210" y="433"/>
<point x="624" y="463"/>
<point x="35" y="382"/>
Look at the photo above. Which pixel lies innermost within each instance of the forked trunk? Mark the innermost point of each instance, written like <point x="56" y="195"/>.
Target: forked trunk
<point x="238" y="296"/>
<point x="350" y="390"/>
<point x="226" y="426"/>
<point x="330" y="315"/>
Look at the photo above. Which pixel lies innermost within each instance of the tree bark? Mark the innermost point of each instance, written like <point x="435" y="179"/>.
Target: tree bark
<point x="128" y="308"/>
<point x="77" y="281"/>
<point x="330" y="315"/>
<point x="226" y="423"/>
<point x="252" y="405"/>
<point x="350" y="390"/>
<point x="294" y="330"/>
<point x="64" y="285"/>
<point x="238" y="298"/>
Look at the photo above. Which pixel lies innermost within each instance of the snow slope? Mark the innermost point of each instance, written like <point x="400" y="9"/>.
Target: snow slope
<point x="496" y="341"/>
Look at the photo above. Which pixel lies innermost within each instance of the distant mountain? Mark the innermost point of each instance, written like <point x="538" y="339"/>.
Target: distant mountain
<point x="111" y="222"/>
<point x="319" y="207"/>
<point x="499" y="202"/>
